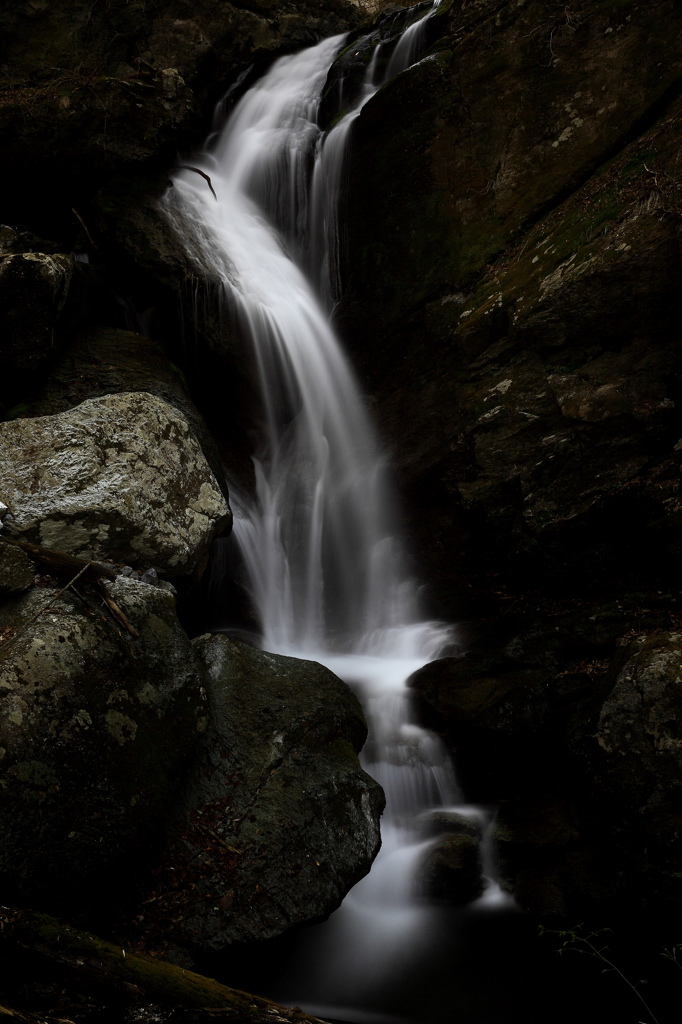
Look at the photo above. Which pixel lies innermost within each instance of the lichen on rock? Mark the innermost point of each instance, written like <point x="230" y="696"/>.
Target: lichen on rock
<point x="117" y="477"/>
<point x="96" y="727"/>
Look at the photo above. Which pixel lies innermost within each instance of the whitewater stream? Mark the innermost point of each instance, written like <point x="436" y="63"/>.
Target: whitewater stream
<point x="327" y="571"/>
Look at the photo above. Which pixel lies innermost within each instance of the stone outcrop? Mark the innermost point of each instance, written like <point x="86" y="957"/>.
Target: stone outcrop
<point x="118" y="477"/>
<point x="511" y="271"/>
<point x="278" y="820"/>
<point x="119" y="91"/>
<point x="96" y="727"/>
<point x="585" y="764"/>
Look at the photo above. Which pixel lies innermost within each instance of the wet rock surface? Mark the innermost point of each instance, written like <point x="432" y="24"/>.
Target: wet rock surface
<point x="511" y="278"/>
<point x="119" y="476"/>
<point x="451" y="871"/>
<point x="278" y="819"/>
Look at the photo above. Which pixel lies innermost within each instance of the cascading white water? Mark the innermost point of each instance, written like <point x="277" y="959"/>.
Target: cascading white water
<point x="326" y="570"/>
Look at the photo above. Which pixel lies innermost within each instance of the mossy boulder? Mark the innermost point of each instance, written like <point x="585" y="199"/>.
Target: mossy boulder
<point x="101" y="361"/>
<point x="278" y="820"/>
<point x="119" y="477"/>
<point x="96" y="728"/>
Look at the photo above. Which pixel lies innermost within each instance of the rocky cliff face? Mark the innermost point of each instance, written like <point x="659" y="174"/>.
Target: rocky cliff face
<point x="512" y="291"/>
<point x="512" y="297"/>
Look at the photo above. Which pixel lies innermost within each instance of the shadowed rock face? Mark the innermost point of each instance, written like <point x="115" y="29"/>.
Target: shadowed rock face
<point x="119" y="90"/>
<point x="278" y="820"/>
<point x="95" y="730"/>
<point x="512" y="291"/>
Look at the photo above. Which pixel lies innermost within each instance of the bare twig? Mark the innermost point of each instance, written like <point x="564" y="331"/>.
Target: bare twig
<point x="186" y="167"/>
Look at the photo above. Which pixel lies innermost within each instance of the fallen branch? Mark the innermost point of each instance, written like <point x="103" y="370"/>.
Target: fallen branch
<point x="57" y="563"/>
<point x="186" y="167"/>
<point x="115" y="610"/>
<point x="82" y="223"/>
<point x="20" y="632"/>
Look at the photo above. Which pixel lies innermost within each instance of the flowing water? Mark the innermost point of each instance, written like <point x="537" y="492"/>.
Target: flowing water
<point x="328" y="575"/>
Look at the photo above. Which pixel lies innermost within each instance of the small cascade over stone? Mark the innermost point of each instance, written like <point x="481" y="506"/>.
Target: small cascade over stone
<point x="327" y="570"/>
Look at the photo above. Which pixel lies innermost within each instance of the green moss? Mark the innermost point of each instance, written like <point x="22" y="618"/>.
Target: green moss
<point x="17" y="410"/>
<point x="160" y="982"/>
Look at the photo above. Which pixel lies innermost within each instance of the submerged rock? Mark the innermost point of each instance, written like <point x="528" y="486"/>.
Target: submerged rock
<point x="451" y="870"/>
<point x="118" y="477"/>
<point x="278" y="820"/>
<point x="444" y="822"/>
<point x="95" y="729"/>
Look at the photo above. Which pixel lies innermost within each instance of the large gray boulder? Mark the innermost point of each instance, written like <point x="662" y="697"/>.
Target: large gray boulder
<point x="119" y="477"/>
<point x="95" y="729"/>
<point x="278" y="820"/>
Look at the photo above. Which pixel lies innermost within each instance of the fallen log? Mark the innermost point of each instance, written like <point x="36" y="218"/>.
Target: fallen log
<point x="79" y="963"/>
<point x="57" y="563"/>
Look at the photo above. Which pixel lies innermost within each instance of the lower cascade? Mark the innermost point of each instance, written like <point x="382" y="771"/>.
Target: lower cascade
<point x="327" y="572"/>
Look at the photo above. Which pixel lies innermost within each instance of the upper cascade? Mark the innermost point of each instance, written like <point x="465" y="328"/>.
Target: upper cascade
<point x="325" y="566"/>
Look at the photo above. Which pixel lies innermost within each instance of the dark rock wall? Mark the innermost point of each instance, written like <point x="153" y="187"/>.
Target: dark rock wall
<point x="511" y="296"/>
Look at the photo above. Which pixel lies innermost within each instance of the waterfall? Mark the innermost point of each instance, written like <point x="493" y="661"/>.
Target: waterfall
<point x="326" y="566"/>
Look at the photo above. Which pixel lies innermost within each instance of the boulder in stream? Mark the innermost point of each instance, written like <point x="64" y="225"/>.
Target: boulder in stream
<point x="451" y="870"/>
<point x="278" y="820"/>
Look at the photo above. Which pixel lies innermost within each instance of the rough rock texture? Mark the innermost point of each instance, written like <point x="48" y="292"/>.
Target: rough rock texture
<point x="118" y="477"/>
<point x="16" y="570"/>
<point x="33" y="289"/>
<point x="278" y="820"/>
<point x="451" y="870"/>
<point x="512" y="275"/>
<point x="95" y="729"/>
<point x="108" y="361"/>
<point x="585" y="763"/>
<point x="119" y="89"/>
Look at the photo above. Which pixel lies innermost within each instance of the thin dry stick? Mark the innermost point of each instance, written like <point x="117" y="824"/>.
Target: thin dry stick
<point x="186" y="167"/>
<point x="8" y="643"/>
<point x="93" y="243"/>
